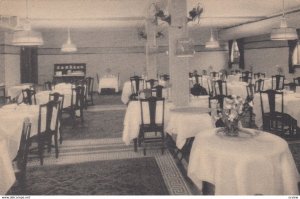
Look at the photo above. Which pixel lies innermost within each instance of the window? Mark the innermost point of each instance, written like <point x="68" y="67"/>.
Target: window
<point x="235" y="53"/>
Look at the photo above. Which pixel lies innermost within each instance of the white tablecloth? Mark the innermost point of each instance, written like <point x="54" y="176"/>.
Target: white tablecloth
<point x="262" y="164"/>
<point x="43" y="97"/>
<point x="7" y="174"/>
<point x="13" y="112"/>
<point x="109" y="82"/>
<point x="127" y="91"/>
<point x="291" y="106"/>
<point x="199" y="101"/>
<point x="16" y="91"/>
<point x="233" y="78"/>
<point x="237" y="88"/>
<point x="186" y="122"/>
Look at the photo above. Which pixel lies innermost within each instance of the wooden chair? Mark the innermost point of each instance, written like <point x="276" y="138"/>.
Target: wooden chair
<point x="259" y="75"/>
<point x="29" y="96"/>
<point x="48" y="86"/>
<point x="20" y="161"/>
<point x="137" y="84"/>
<point x="215" y="74"/>
<point x="246" y="76"/>
<point x="165" y="77"/>
<point x="250" y="91"/>
<point x="216" y="103"/>
<point x="57" y="97"/>
<point x="274" y="119"/>
<point x="198" y="90"/>
<point x="43" y="136"/>
<point x="77" y="104"/>
<point x="157" y="91"/>
<point x="278" y="82"/>
<point x="219" y="87"/>
<point x="297" y="81"/>
<point x="150" y="83"/>
<point x="152" y="110"/>
<point x="259" y="85"/>
<point x="291" y="86"/>
<point x="89" y="93"/>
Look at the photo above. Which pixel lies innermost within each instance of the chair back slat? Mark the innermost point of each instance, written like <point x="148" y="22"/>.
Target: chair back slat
<point x="278" y="82"/>
<point x="259" y="85"/>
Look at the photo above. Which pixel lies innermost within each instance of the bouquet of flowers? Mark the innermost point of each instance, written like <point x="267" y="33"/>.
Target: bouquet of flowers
<point x="234" y="109"/>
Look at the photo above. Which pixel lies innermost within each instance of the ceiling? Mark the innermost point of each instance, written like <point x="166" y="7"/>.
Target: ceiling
<point x="91" y="14"/>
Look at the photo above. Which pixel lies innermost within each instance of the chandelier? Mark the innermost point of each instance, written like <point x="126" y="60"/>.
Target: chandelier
<point x="68" y="46"/>
<point x="26" y="36"/>
<point x="284" y="32"/>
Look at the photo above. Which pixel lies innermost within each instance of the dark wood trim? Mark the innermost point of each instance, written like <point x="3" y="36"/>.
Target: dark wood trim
<point x="266" y="47"/>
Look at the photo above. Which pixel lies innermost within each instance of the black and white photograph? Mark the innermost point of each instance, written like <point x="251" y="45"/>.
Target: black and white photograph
<point x="149" y="98"/>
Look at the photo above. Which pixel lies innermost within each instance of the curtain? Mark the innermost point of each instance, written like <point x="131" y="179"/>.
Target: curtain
<point x="292" y="45"/>
<point x="230" y="42"/>
<point x="240" y="44"/>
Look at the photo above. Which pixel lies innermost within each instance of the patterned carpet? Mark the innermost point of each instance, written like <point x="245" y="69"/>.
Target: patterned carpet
<point x="84" y="154"/>
<point x="138" y="176"/>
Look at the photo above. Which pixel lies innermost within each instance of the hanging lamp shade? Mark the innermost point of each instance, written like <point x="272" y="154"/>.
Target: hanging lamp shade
<point x="284" y="32"/>
<point x="27" y="38"/>
<point x="68" y="47"/>
<point x="212" y="43"/>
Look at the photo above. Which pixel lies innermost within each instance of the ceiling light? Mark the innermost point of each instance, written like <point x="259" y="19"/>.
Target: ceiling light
<point x="284" y="32"/>
<point x="212" y="43"/>
<point x="26" y="36"/>
<point x="68" y="46"/>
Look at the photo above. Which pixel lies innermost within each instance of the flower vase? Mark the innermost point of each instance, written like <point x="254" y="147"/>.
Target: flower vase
<point x="232" y="129"/>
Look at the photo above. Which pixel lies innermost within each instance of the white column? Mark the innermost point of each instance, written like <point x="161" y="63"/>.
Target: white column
<point x="151" y="46"/>
<point x="178" y="66"/>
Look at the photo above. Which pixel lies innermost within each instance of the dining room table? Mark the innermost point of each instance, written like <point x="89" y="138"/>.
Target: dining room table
<point x="15" y="91"/>
<point x="127" y="90"/>
<point x="12" y="117"/>
<point x="237" y="88"/>
<point x="109" y="81"/>
<point x="252" y="163"/>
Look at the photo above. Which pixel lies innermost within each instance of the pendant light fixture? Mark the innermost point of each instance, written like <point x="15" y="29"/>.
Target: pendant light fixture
<point x="26" y="36"/>
<point x="212" y="43"/>
<point x="68" y="47"/>
<point x="284" y="32"/>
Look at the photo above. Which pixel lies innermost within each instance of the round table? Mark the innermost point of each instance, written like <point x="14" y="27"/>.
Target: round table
<point x="256" y="162"/>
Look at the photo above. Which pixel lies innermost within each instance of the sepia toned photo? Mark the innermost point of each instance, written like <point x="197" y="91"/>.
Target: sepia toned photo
<point x="149" y="98"/>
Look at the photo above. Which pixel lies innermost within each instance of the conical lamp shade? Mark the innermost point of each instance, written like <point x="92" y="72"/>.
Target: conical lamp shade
<point x="212" y="43"/>
<point x="27" y="38"/>
<point x="69" y="46"/>
<point x="284" y="32"/>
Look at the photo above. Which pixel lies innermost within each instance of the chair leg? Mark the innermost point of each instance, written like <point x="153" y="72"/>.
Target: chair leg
<point x="56" y="144"/>
<point x="92" y="98"/>
<point x="135" y="144"/>
<point x="41" y="151"/>
<point x="60" y="135"/>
